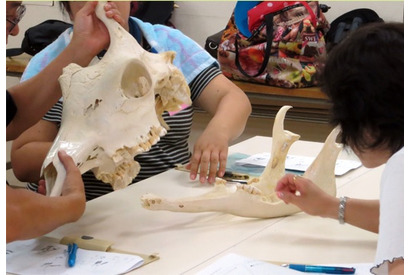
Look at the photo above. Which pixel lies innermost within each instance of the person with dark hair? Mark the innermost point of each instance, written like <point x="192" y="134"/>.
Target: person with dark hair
<point x="364" y="79"/>
<point x="29" y="214"/>
<point x="210" y="91"/>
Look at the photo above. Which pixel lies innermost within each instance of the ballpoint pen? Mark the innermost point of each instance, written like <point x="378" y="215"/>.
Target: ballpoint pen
<point x="72" y="253"/>
<point x="321" y="269"/>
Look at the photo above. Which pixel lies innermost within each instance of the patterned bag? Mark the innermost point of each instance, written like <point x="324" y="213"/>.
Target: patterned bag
<point x="277" y="43"/>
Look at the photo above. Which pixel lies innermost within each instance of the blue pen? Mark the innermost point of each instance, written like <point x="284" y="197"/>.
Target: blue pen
<point x="72" y="253"/>
<point x="323" y="269"/>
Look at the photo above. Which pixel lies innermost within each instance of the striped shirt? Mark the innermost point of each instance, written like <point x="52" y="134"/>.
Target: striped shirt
<point x="172" y="148"/>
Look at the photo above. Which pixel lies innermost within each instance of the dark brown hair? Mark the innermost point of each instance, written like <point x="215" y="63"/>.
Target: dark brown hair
<point x="364" y="79"/>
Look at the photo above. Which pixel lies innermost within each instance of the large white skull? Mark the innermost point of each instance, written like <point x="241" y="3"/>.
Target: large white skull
<point x="112" y="110"/>
<point x="257" y="198"/>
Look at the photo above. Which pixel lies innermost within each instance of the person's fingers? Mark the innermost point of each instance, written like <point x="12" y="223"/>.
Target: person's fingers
<point x="213" y="166"/>
<point x="289" y="197"/>
<point x="286" y="183"/>
<point x="287" y="188"/>
<point x="204" y="166"/>
<point x="193" y="165"/>
<point x="285" y="196"/>
<point x="42" y="187"/>
<point x="111" y="11"/>
<point x="223" y="158"/>
<point x="295" y="178"/>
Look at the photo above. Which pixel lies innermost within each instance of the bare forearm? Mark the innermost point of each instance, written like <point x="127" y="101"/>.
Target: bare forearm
<point x="26" y="210"/>
<point x="27" y="169"/>
<point x="228" y="105"/>
<point x="231" y="118"/>
<point x="397" y="267"/>
<point x="34" y="97"/>
<point x="363" y="214"/>
<point x="360" y="213"/>
<point x="232" y="111"/>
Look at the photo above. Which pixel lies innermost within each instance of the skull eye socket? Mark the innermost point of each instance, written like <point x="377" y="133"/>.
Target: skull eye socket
<point x="136" y="81"/>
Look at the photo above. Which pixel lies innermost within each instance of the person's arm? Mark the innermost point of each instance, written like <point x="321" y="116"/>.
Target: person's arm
<point x="397" y="267"/>
<point x="34" y="97"/>
<point x="362" y="213"/>
<point x="30" y="214"/>
<point x="311" y="199"/>
<point x="29" y="150"/>
<point x="230" y="109"/>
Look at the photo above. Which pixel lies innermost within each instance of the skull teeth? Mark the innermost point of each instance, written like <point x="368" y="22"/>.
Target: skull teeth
<point x="118" y="92"/>
<point x="126" y="166"/>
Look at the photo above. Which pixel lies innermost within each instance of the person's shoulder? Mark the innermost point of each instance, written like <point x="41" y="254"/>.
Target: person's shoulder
<point x="396" y="161"/>
<point x="399" y="155"/>
<point x="39" y="61"/>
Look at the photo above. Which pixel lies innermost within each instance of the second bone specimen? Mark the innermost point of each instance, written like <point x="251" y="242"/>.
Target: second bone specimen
<point x="112" y="110"/>
<point x="257" y="198"/>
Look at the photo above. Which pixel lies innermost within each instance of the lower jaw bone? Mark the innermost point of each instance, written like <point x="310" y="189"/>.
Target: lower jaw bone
<point x="257" y="198"/>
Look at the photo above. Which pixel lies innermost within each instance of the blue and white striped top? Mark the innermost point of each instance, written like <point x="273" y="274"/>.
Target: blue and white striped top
<point x="198" y="67"/>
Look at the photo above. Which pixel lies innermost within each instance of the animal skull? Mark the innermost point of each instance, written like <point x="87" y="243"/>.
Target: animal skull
<point x="257" y="198"/>
<point x="112" y="110"/>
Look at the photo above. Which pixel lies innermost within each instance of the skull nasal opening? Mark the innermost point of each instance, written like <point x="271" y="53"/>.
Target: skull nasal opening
<point x="136" y="80"/>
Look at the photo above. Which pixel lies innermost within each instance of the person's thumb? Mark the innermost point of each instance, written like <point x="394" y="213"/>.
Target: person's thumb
<point x="66" y="160"/>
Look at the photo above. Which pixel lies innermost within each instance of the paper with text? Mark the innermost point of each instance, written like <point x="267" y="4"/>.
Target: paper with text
<point x="38" y="256"/>
<point x="298" y="163"/>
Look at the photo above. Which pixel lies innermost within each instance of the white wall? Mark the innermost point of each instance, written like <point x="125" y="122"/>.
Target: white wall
<point x="199" y="19"/>
<point x="37" y="12"/>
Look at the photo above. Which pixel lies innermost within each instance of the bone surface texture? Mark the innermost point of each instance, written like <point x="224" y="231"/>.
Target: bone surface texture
<point x="257" y="198"/>
<point x="112" y="109"/>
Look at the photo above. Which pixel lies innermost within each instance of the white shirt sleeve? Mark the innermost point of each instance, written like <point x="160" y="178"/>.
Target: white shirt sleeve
<point x="390" y="245"/>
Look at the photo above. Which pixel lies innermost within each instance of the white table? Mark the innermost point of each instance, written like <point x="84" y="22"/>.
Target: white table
<point x="188" y="242"/>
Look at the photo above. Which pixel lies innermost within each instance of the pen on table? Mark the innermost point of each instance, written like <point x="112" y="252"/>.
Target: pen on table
<point x="321" y="269"/>
<point x="72" y="253"/>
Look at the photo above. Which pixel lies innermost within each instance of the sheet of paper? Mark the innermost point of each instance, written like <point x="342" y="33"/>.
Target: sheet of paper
<point x="253" y="171"/>
<point x="38" y="256"/>
<point x="298" y="163"/>
<point x="234" y="264"/>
